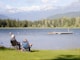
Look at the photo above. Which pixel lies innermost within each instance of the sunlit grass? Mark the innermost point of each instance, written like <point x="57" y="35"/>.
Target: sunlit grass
<point x="11" y="54"/>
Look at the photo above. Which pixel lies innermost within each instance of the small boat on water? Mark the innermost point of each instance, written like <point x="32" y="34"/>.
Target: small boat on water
<point x="60" y="32"/>
<point x="68" y="32"/>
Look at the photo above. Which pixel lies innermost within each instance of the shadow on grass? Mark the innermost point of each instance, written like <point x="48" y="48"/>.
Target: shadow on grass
<point x="4" y="48"/>
<point x="34" y="50"/>
<point x="67" y="57"/>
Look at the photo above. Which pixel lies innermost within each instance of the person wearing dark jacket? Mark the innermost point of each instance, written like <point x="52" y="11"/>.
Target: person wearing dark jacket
<point x="14" y="42"/>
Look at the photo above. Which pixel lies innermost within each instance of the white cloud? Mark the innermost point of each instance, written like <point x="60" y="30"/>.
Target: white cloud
<point x="8" y="7"/>
<point x="55" y="1"/>
<point x="32" y="8"/>
<point x="27" y="9"/>
<point x="43" y="5"/>
<point x="21" y="9"/>
<point x="50" y="1"/>
<point x="45" y="1"/>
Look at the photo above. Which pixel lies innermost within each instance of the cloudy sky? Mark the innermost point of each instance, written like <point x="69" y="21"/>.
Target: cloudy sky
<point x="14" y="6"/>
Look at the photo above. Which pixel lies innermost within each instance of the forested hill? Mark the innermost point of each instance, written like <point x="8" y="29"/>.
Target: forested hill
<point x="61" y="22"/>
<point x="69" y="14"/>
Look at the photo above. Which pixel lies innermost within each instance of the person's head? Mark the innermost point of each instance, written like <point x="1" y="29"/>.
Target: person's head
<point x="12" y="35"/>
<point x="25" y="40"/>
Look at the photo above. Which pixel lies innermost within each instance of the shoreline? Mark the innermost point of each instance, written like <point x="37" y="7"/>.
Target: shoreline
<point x="37" y="28"/>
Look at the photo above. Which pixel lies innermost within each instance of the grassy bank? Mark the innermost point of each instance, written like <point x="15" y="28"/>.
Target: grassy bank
<point x="10" y="54"/>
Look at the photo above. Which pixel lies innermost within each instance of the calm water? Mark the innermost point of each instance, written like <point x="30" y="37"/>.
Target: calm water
<point x="41" y="40"/>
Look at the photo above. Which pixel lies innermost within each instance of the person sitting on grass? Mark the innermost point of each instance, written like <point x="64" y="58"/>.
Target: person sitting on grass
<point x="26" y="45"/>
<point x="14" y="42"/>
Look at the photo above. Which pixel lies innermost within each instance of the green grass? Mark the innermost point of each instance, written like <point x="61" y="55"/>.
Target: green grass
<point x="11" y="54"/>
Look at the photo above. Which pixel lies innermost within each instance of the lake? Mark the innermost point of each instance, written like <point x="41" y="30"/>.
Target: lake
<point x="41" y="39"/>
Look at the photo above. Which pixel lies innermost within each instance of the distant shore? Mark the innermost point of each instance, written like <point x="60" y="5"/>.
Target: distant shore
<point x="38" y="28"/>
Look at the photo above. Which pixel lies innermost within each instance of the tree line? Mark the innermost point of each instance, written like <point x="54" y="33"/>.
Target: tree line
<point x="52" y="23"/>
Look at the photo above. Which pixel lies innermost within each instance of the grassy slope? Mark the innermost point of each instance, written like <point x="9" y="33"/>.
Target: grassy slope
<point x="39" y="54"/>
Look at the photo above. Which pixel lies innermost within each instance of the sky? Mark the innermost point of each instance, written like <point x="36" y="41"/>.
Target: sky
<point x="14" y="6"/>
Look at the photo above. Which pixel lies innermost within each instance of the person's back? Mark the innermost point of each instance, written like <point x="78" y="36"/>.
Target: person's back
<point x="13" y="42"/>
<point x="25" y="45"/>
